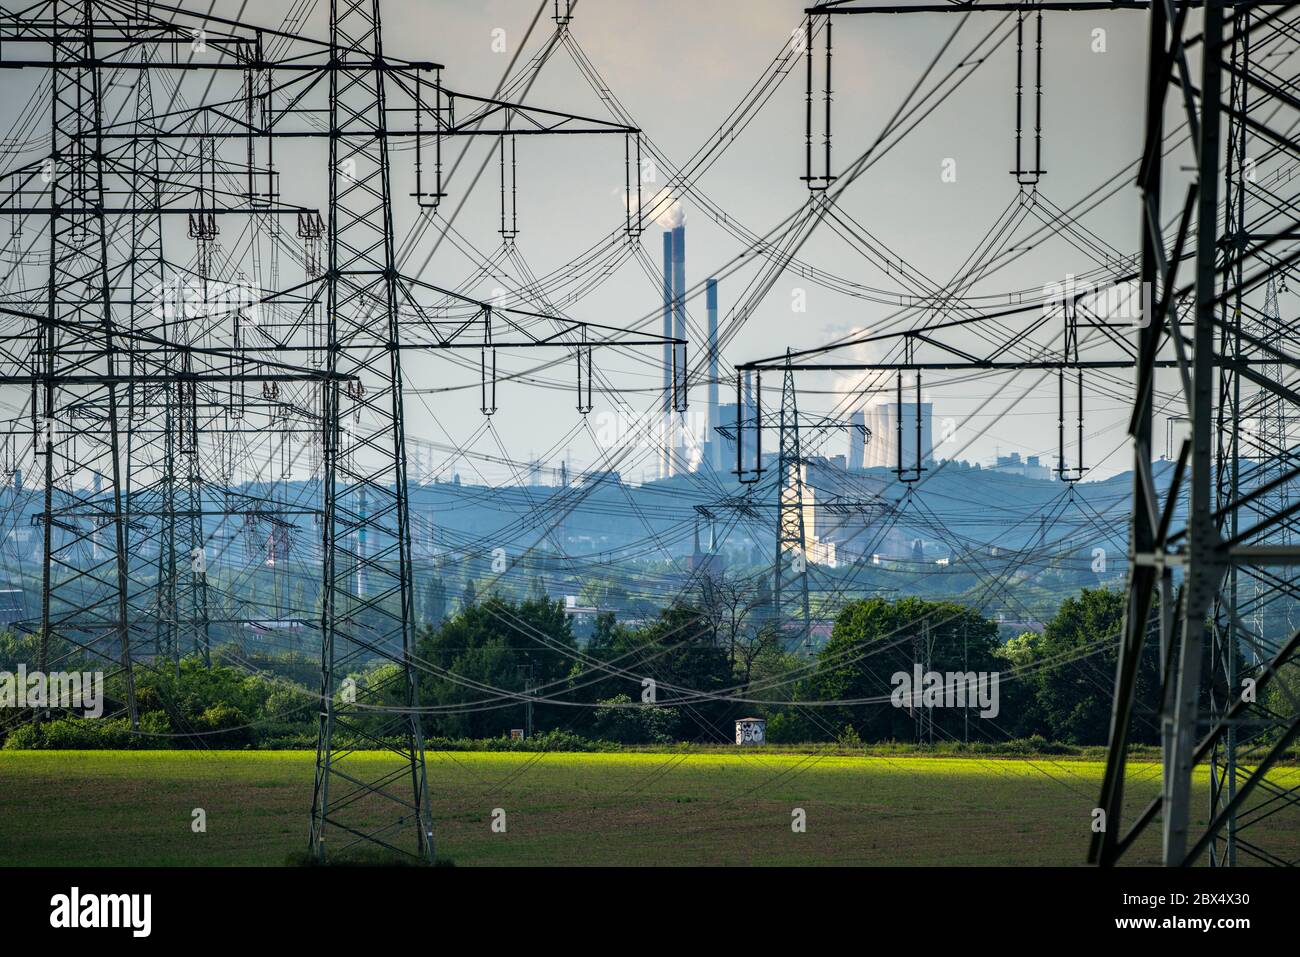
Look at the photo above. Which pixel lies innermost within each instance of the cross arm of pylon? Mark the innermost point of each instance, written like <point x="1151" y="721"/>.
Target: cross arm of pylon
<point x="481" y="324"/>
<point x="24" y="191"/>
<point x="31" y="26"/>
<point x="250" y="361"/>
<point x="290" y="94"/>
<point x="176" y="34"/>
<point x="857" y="7"/>
<point x="1055" y="310"/>
<point x="515" y="118"/>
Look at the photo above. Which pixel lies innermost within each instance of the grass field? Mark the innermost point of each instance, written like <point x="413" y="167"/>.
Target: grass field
<point x="134" y="808"/>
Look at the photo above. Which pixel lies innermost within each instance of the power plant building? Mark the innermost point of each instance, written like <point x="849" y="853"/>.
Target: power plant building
<point x="888" y="427"/>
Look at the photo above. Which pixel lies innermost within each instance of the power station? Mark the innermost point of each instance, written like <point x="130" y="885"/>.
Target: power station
<point x="237" y="271"/>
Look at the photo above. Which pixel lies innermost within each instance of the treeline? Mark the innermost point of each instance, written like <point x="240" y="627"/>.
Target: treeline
<point x="685" y="676"/>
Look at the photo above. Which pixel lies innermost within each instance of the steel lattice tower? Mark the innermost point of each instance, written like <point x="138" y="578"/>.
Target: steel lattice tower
<point x="365" y="459"/>
<point x="1222" y="716"/>
<point x="151" y="449"/>
<point x="85" y="588"/>
<point x="124" y="514"/>
<point x="790" y="569"/>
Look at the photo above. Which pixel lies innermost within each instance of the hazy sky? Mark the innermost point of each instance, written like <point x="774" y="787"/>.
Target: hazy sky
<point x="680" y="68"/>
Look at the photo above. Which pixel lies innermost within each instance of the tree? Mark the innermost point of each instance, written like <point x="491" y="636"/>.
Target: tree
<point x="732" y="608"/>
<point x="874" y="640"/>
<point x="756" y="647"/>
<point x="496" y="644"/>
<point x="677" y="653"/>
<point x="1019" y="687"/>
<point x="1078" y="651"/>
<point x="621" y="719"/>
<point x="603" y="634"/>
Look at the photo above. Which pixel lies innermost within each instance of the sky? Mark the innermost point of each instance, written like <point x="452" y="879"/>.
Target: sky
<point x="930" y="200"/>
<point x="679" y="68"/>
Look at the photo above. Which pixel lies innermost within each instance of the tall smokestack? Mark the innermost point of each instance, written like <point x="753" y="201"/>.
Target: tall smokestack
<point x="665" y="463"/>
<point x="679" y="281"/>
<point x="679" y="324"/>
<point x="746" y="415"/>
<point x="714" y="444"/>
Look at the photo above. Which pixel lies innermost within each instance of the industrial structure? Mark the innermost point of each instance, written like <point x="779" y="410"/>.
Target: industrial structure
<point x="144" y="405"/>
<point x="1224" y="520"/>
<point x="902" y="436"/>
<point x="210" y="367"/>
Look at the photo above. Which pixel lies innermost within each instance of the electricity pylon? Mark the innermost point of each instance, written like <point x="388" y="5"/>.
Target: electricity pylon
<point x="1239" y="715"/>
<point x="187" y="379"/>
<point x="790" y="568"/>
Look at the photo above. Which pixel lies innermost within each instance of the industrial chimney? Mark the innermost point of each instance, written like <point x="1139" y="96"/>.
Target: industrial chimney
<point x="857" y="439"/>
<point x="673" y="220"/>
<point x="679" y="331"/>
<point x="713" y="440"/>
<point x="665" y="465"/>
<point x="679" y="281"/>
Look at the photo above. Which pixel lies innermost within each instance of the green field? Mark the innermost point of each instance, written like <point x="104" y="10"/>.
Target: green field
<point x="134" y="808"/>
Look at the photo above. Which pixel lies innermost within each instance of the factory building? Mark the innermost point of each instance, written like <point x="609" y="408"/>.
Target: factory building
<point x="1030" y="467"/>
<point x="884" y="420"/>
<point x="844" y="514"/>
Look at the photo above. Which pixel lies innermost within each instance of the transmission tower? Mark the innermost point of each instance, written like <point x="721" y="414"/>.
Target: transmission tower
<point x="790" y="568"/>
<point x="1235" y="717"/>
<point x="126" y="561"/>
<point x="367" y="612"/>
<point x="1237" y="720"/>
<point x="358" y="626"/>
<point x="1254" y="452"/>
<point x="115" y="382"/>
<point x="151" y="452"/>
<point x="85" y="588"/>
